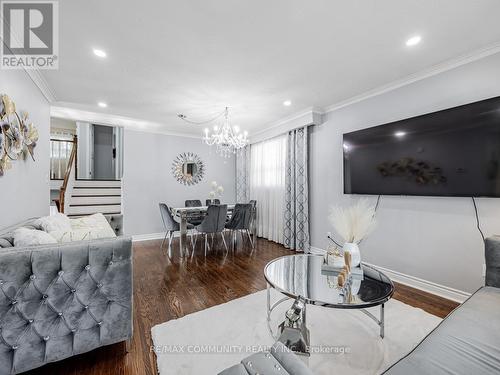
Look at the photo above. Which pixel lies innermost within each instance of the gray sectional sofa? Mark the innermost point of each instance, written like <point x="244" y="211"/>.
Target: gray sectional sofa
<point x="466" y="342"/>
<point x="60" y="300"/>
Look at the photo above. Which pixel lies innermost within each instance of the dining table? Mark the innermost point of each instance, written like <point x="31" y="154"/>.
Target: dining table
<point x="183" y="214"/>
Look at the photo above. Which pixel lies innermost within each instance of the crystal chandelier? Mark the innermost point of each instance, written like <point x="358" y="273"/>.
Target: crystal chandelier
<point x="226" y="138"/>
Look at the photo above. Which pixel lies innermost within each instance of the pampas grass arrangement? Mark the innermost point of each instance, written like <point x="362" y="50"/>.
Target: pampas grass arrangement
<point x="355" y="222"/>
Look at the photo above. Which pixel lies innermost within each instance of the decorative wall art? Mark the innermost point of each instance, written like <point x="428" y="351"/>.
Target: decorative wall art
<point x="18" y="136"/>
<point x="421" y="172"/>
<point x="188" y="168"/>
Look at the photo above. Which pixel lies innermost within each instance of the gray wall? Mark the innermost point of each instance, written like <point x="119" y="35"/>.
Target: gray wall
<point x="435" y="239"/>
<point x="148" y="179"/>
<point x="103" y="153"/>
<point x="24" y="190"/>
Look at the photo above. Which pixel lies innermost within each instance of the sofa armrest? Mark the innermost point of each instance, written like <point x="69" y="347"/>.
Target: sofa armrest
<point x="73" y="297"/>
<point x="116" y="223"/>
<point x="492" y="256"/>
<point x="278" y="360"/>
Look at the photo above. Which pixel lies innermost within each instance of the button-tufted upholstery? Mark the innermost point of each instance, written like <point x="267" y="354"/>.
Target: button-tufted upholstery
<point x="65" y="299"/>
<point x="278" y="361"/>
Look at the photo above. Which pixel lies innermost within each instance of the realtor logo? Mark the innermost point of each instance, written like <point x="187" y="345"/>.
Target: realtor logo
<point x="29" y="33"/>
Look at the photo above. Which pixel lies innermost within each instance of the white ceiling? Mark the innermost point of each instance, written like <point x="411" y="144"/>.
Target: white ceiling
<point x="198" y="56"/>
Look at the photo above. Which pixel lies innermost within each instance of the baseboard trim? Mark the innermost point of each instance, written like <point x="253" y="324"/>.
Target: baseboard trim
<point x="415" y="282"/>
<point x="152" y="236"/>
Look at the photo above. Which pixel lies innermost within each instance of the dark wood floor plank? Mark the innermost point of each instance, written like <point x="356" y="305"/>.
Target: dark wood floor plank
<point x="169" y="289"/>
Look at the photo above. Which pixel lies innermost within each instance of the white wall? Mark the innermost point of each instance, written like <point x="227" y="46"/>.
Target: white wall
<point x="148" y="178"/>
<point x="24" y="189"/>
<point x="85" y="150"/>
<point x="435" y="239"/>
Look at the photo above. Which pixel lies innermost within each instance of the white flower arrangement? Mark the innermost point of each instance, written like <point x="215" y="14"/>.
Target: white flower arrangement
<point x="217" y="190"/>
<point x="353" y="223"/>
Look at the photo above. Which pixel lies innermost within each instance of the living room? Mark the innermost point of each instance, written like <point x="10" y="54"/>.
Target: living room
<point x="181" y="181"/>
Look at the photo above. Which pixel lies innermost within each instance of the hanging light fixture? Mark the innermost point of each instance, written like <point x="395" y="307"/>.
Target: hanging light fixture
<point x="227" y="139"/>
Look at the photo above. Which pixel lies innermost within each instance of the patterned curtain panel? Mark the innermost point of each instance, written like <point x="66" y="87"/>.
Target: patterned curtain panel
<point x="242" y="175"/>
<point x="296" y="213"/>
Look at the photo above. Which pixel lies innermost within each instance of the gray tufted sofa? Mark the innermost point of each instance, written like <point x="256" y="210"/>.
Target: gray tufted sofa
<point x="60" y="300"/>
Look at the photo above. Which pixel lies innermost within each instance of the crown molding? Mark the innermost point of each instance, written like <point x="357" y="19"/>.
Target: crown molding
<point x="309" y="116"/>
<point x="290" y="118"/>
<point x="39" y="80"/>
<point x="70" y="113"/>
<point x="35" y="74"/>
<point x="456" y="62"/>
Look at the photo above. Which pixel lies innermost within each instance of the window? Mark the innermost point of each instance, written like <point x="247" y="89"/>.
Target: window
<point x="267" y="186"/>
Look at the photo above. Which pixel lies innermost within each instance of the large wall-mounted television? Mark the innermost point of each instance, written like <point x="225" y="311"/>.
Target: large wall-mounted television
<point x="454" y="152"/>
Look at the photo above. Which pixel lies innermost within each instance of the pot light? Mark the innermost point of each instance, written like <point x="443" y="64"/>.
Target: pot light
<point x="99" y="53"/>
<point x="287" y="103"/>
<point x="102" y="104"/>
<point x="414" y="40"/>
<point x="400" y="134"/>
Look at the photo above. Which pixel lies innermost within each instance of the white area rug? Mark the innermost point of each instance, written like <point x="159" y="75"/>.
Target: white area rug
<point x="232" y="331"/>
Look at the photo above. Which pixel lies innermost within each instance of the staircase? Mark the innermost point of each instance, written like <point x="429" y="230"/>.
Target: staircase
<point x="88" y="197"/>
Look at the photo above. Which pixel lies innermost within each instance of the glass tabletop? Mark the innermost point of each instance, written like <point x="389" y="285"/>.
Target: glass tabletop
<point x="302" y="275"/>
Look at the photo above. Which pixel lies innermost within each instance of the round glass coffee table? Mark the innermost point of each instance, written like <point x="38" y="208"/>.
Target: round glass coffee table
<point x="301" y="277"/>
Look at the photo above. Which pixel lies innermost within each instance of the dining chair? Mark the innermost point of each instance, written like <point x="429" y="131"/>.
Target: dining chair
<point x="194" y="218"/>
<point x="213" y="223"/>
<point x="241" y="221"/>
<point x="208" y="202"/>
<point x="192" y="203"/>
<point x="253" y="220"/>
<point x="170" y="225"/>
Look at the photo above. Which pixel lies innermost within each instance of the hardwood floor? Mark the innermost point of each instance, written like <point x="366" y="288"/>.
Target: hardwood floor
<point x="168" y="289"/>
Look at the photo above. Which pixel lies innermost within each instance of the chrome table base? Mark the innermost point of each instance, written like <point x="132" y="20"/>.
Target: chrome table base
<point x="293" y="331"/>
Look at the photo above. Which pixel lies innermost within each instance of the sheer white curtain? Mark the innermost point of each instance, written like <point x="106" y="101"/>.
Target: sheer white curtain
<point x="267" y="186"/>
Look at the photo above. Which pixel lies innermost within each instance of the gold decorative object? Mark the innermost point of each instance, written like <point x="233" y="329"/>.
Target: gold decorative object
<point x="9" y="107"/>
<point x="348" y="260"/>
<point x="18" y="136"/>
<point x="341" y="280"/>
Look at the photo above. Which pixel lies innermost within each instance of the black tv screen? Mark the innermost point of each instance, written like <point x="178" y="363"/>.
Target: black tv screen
<point x="454" y="152"/>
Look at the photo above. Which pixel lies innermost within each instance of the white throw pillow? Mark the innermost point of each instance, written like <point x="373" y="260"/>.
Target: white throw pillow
<point x="55" y="222"/>
<point x="90" y="227"/>
<point x="31" y="237"/>
<point x="82" y="234"/>
<point x="96" y="221"/>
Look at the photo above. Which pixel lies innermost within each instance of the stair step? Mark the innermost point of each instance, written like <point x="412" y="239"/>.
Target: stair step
<point x="98" y="183"/>
<point x="92" y="209"/>
<point x="86" y="191"/>
<point x="95" y="199"/>
<point x="76" y="216"/>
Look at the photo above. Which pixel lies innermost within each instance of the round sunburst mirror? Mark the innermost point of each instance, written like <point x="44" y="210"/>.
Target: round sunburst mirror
<point x="188" y="168"/>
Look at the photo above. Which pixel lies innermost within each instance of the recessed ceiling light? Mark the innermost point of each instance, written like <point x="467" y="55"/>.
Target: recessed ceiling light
<point x="400" y="134"/>
<point x="414" y="40"/>
<point x="102" y="104"/>
<point x="99" y="53"/>
<point x="287" y="103"/>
